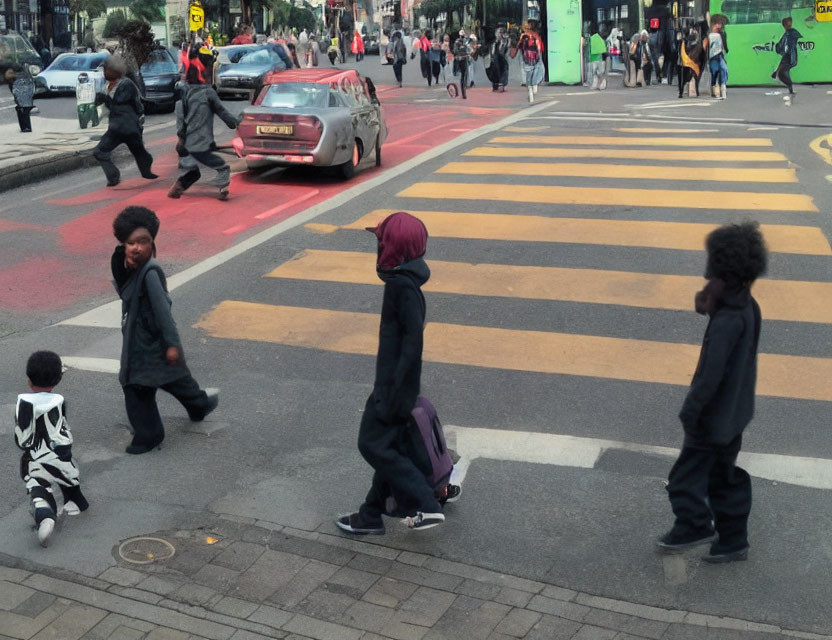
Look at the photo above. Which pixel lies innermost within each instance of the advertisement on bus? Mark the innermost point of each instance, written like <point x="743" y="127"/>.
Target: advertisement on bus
<point x="754" y="29"/>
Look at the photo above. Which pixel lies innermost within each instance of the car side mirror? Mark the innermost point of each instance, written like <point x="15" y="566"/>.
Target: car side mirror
<point x="371" y="89"/>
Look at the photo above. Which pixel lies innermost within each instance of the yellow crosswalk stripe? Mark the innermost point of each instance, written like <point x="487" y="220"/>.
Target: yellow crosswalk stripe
<point x="779" y="299"/>
<point x="684" y="236"/>
<point x="672" y="198"/>
<point x="628" y="171"/>
<point x="622" y="141"/>
<point x="533" y="351"/>
<point x="664" y="155"/>
<point x="656" y="130"/>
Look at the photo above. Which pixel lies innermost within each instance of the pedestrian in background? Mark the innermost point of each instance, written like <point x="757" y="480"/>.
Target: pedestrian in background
<point x="195" y="128"/>
<point x="23" y="90"/>
<point x="122" y="98"/>
<point x="716" y="44"/>
<point x="787" y="49"/>
<point x="710" y="495"/>
<point x="402" y="242"/>
<point x="397" y="54"/>
<point x="151" y="351"/>
<point x="357" y="47"/>
<point x="462" y="57"/>
<point x="498" y="70"/>
<point x="692" y="59"/>
<point x="530" y="47"/>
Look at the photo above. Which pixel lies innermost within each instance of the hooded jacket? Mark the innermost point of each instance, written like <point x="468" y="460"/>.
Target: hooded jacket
<point x="147" y="325"/>
<point x="720" y="402"/>
<point x="402" y="243"/>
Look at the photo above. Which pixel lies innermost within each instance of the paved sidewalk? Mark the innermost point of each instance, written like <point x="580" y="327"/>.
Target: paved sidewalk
<point x="248" y="580"/>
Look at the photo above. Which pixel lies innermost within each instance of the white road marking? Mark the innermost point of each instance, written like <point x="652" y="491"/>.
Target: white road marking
<point x="109" y="315"/>
<point x="98" y="365"/>
<point x="655" y="119"/>
<point x="584" y="453"/>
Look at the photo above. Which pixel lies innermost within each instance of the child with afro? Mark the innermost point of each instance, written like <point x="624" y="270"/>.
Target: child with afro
<point x="709" y="494"/>
<point x="41" y="430"/>
<point x="151" y="352"/>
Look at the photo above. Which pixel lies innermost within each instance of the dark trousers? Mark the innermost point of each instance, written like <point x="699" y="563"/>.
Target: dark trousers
<point x="784" y="73"/>
<point x="463" y="76"/>
<point x="191" y="173"/>
<point x="706" y="484"/>
<point x="397" y="70"/>
<point x="143" y="412"/>
<point x="685" y="76"/>
<point x="109" y="141"/>
<point x="382" y="445"/>
<point x="24" y="119"/>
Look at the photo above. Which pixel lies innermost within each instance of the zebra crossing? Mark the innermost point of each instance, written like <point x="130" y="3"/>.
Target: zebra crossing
<point x="561" y="203"/>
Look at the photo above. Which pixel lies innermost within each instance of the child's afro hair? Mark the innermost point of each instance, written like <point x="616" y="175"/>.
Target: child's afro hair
<point x="44" y="369"/>
<point x="737" y="254"/>
<point x="132" y="218"/>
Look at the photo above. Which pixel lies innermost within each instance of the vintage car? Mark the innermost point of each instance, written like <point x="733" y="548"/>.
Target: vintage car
<point x="15" y="53"/>
<point x="313" y="117"/>
<point x="159" y="75"/>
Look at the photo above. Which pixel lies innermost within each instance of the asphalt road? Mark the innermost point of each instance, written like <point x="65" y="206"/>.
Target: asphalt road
<point x="557" y="351"/>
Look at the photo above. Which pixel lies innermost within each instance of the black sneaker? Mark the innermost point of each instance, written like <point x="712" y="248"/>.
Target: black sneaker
<point x="450" y="493"/>
<point x="136" y="449"/>
<point x="424" y="520"/>
<point x="354" y="523"/>
<point x="721" y="557"/>
<point x="674" y="541"/>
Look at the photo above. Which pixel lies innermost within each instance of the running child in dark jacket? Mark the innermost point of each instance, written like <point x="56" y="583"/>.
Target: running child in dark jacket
<point x="710" y="495"/>
<point x="402" y="241"/>
<point x="151" y="352"/>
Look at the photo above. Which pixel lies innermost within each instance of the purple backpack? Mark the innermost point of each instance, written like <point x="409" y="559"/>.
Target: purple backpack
<point x="433" y="439"/>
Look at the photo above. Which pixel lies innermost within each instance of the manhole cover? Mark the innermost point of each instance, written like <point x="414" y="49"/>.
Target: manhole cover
<point x="145" y="550"/>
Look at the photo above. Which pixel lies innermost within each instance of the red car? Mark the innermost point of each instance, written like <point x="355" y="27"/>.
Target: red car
<point x="316" y="117"/>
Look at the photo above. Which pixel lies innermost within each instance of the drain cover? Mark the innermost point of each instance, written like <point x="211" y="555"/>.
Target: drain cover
<point x="145" y="550"/>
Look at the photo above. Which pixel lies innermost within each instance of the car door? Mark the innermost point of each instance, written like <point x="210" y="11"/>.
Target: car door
<point x="361" y="110"/>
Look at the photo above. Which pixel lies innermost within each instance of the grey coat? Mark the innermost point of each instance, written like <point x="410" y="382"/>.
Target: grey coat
<point x="195" y="117"/>
<point x="720" y="403"/>
<point x="147" y="325"/>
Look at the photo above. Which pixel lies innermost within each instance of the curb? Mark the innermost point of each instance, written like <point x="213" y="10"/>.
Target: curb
<point x="50" y="164"/>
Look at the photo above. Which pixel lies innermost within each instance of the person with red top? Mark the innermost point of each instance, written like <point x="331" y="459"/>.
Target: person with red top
<point x="244" y="37"/>
<point x="531" y="50"/>
<point x="357" y="46"/>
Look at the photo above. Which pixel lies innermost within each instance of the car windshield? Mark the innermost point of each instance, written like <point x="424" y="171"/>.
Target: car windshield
<point x="263" y="57"/>
<point x="77" y="63"/>
<point x="234" y="54"/>
<point x="296" y="95"/>
<point x="159" y="62"/>
<point x="12" y="43"/>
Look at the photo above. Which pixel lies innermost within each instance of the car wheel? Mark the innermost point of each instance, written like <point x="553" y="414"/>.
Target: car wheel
<point x="378" y="150"/>
<point x="348" y="168"/>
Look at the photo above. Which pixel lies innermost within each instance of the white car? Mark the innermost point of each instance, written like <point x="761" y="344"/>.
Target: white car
<point x="62" y="75"/>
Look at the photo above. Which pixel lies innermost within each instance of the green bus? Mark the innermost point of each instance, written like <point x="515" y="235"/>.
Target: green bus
<point x="754" y="28"/>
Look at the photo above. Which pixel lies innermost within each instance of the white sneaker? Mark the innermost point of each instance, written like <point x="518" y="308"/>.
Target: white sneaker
<point x="531" y="95"/>
<point x="71" y="509"/>
<point x="45" y="529"/>
<point x="534" y="88"/>
<point x="424" y="520"/>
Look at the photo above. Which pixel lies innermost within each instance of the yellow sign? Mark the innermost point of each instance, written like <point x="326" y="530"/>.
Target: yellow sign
<point x="196" y="17"/>
<point x="823" y="10"/>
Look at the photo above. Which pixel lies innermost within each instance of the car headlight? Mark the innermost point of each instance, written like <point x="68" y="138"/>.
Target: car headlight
<point x="34" y="69"/>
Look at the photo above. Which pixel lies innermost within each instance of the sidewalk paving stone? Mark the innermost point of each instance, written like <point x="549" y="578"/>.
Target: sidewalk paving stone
<point x="425" y="606"/>
<point x="13" y="595"/>
<point x="368" y="616"/>
<point x="305" y="581"/>
<point x="569" y="610"/>
<point x="325" y="604"/>
<point x="239" y="556"/>
<point x="310" y="549"/>
<point x="273" y="570"/>
<point x="112" y="623"/>
<point x="518" y="622"/>
<point x="553" y="628"/>
<point x="270" y="616"/>
<point x="477" y="589"/>
<point x="136" y="594"/>
<point x="352" y="582"/>
<point x="235" y="607"/>
<point x="125" y="633"/>
<point x="388" y="592"/>
<point x="34" y="605"/>
<point x="17" y="626"/>
<point x="371" y="564"/>
<point x="513" y="597"/>
<point x="217" y="577"/>
<point x="623" y="622"/>
<point x="122" y="576"/>
<point x="591" y="632"/>
<point x="161" y="585"/>
<point x="320" y="629"/>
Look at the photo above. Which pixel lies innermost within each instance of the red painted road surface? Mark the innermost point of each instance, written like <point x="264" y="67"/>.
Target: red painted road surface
<point x="199" y="225"/>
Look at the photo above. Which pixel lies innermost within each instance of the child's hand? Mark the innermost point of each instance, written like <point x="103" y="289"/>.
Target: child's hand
<point x="173" y="355"/>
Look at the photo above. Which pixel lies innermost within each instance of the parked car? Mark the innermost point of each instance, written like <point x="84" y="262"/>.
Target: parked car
<point x="371" y="46"/>
<point x="230" y="55"/>
<point x="313" y="117"/>
<point x="245" y="70"/>
<point x="61" y="76"/>
<point x="159" y="74"/>
<point x="15" y="51"/>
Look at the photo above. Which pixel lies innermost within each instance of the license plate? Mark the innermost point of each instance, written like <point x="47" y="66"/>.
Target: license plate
<point x="275" y="129"/>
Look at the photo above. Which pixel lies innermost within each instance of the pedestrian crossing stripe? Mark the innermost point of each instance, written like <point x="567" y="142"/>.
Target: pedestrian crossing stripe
<point x="744" y="201"/>
<point x="652" y="130"/>
<point x="663" y="155"/>
<point x="627" y="141"/>
<point x="625" y="171"/>
<point x="648" y="361"/>
<point x="779" y="299"/>
<point x="682" y="236"/>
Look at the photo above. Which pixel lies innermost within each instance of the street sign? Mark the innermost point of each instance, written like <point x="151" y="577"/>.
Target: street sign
<point x="196" y="17"/>
<point x="823" y="10"/>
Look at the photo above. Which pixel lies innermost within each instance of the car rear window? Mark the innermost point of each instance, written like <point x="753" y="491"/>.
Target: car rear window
<point x="296" y="95"/>
<point x="159" y="62"/>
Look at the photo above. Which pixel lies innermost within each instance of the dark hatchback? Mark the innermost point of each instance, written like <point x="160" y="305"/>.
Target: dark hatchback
<point x="159" y="75"/>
